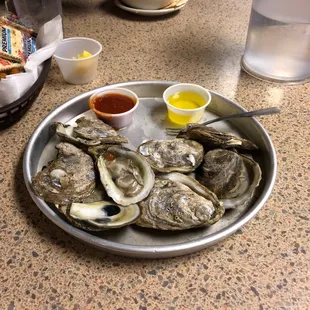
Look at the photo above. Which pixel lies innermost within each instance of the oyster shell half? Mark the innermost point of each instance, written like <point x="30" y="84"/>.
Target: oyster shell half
<point x="231" y="176"/>
<point x="195" y="186"/>
<point x="174" y="206"/>
<point x="211" y="138"/>
<point x="70" y="177"/>
<point x="178" y="155"/>
<point x="100" y="215"/>
<point x="88" y="132"/>
<point x="126" y="175"/>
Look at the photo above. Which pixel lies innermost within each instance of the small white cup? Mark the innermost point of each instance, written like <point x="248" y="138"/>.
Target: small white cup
<point x="78" y="71"/>
<point x="119" y="120"/>
<point x="185" y="116"/>
<point x="147" y="4"/>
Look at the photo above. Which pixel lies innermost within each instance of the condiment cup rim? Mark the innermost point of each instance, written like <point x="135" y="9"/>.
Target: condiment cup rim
<point x="109" y="91"/>
<point x="187" y="84"/>
<point x="81" y="59"/>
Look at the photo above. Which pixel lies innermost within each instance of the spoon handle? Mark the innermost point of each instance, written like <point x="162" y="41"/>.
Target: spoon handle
<point x="266" y="111"/>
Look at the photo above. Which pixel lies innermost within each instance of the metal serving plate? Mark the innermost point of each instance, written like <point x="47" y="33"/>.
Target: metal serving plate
<point x="150" y="122"/>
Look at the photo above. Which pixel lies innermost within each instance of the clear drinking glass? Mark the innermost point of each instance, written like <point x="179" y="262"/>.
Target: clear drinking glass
<point x="278" y="41"/>
<point x="36" y="13"/>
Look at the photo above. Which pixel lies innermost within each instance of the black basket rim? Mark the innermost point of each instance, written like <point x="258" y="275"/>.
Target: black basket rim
<point x="38" y="83"/>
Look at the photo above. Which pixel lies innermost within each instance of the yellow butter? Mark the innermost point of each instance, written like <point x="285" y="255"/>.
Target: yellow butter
<point x="185" y="101"/>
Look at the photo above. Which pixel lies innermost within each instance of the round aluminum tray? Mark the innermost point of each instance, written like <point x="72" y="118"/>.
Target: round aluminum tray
<point x="150" y="122"/>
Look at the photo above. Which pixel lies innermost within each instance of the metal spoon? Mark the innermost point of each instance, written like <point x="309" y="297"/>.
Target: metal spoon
<point x="266" y="111"/>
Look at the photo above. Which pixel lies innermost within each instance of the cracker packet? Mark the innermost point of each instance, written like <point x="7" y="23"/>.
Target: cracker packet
<point x="15" y="45"/>
<point x="8" y="65"/>
<point x="13" y="21"/>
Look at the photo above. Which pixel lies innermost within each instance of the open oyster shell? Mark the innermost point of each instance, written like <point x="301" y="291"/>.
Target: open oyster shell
<point x="88" y="132"/>
<point x="178" y="155"/>
<point x="70" y="177"/>
<point x="211" y="138"/>
<point x="231" y="176"/>
<point x="126" y="175"/>
<point x="100" y="215"/>
<point x="97" y="151"/>
<point x="174" y="206"/>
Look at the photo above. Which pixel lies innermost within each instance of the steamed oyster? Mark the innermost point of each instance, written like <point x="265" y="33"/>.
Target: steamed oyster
<point x="195" y="186"/>
<point x="231" y="176"/>
<point x="174" y="206"/>
<point x="211" y="138"/>
<point x="71" y="176"/>
<point x="100" y="215"/>
<point x="99" y="194"/>
<point x="66" y="133"/>
<point x="96" y="129"/>
<point x="126" y="175"/>
<point x="98" y="150"/>
<point x="179" y="155"/>
<point x="88" y="132"/>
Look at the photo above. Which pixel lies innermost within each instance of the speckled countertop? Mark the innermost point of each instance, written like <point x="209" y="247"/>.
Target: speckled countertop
<point x="264" y="266"/>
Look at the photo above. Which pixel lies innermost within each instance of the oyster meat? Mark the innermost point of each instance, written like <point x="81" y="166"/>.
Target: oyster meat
<point x="97" y="151"/>
<point x="70" y="177"/>
<point x="126" y="175"/>
<point x="178" y="155"/>
<point x="88" y="132"/>
<point x="174" y="206"/>
<point x="100" y="215"/>
<point x="211" y="138"/>
<point x="231" y="176"/>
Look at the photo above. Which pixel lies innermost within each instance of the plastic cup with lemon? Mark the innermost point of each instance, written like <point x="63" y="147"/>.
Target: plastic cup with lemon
<point x="77" y="59"/>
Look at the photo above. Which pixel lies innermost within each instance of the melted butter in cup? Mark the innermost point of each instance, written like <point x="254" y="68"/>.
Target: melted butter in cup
<point x="186" y="102"/>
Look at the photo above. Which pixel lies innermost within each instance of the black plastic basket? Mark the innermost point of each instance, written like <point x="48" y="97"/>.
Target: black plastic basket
<point x="13" y="112"/>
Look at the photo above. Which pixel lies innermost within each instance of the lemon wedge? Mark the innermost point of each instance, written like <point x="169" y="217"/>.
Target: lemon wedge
<point x="85" y="54"/>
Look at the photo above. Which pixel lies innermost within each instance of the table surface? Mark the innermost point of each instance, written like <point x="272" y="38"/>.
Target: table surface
<point x="263" y="266"/>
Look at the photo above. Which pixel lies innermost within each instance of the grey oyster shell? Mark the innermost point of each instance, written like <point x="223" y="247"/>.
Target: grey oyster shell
<point x="70" y="177"/>
<point x="88" y="132"/>
<point x="211" y="138"/>
<point x="100" y="215"/>
<point x="231" y="176"/>
<point x="99" y="194"/>
<point x="195" y="186"/>
<point x="179" y="155"/>
<point x="126" y="175"/>
<point x="174" y="206"/>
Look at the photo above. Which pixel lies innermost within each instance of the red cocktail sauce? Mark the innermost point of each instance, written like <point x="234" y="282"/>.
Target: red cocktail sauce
<point x="109" y="156"/>
<point x="114" y="103"/>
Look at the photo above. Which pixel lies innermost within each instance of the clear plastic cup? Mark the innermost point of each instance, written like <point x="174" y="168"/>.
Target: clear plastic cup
<point x="78" y="71"/>
<point x="278" y="41"/>
<point x="185" y="116"/>
<point x="36" y="13"/>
